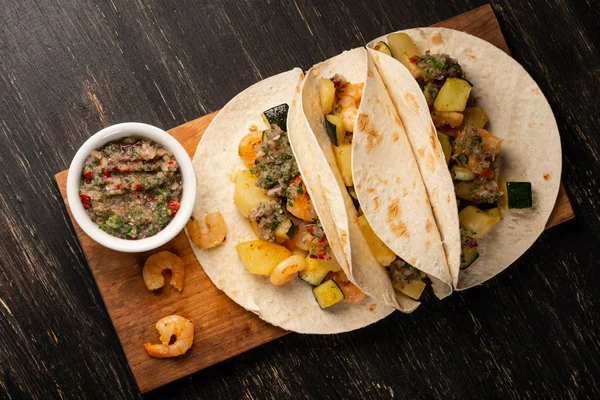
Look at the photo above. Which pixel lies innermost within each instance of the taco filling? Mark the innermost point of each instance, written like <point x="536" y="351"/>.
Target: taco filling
<point x="340" y="101"/>
<point x="471" y="151"/>
<point x="291" y="240"/>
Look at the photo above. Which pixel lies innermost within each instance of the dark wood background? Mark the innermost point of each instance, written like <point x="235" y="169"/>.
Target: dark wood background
<point x="69" y="68"/>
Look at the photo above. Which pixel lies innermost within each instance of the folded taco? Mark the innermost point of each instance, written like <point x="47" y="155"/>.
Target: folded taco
<point x="379" y="202"/>
<point x="485" y="140"/>
<point x="258" y="175"/>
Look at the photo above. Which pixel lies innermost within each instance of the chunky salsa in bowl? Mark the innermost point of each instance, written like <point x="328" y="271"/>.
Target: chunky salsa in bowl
<point x="131" y="187"/>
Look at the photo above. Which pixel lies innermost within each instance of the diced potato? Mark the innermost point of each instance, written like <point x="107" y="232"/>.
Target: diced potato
<point x="284" y="231"/>
<point x="380" y="251"/>
<point x="327" y="92"/>
<point x="340" y="132"/>
<point x="254" y="227"/>
<point x="315" y="271"/>
<point x="446" y="145"/>
<point x="475" y="116"/>
<point x="452" y="119"/>
<point x="246" y="194"/>
<point x="477" y="221"/>
<point x="260" y="257"/>
<point x="383" y="47"/>
<point x="464" y="190"/>
<point x="246" y="147"/>
<point x="343" y="155"/>
<point x="401" y="43"/>
<point x="490" y="142"/>
<point x="413" y="289"/>
<point x="453" y="95"/>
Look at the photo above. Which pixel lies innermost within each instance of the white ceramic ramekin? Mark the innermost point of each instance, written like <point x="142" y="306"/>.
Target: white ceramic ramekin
<point x="116" y="132"/>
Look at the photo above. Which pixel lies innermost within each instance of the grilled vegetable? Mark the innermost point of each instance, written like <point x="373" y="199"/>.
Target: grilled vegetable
<point x="328" y="293"/>
<point x="354" y="196"/>
<point x="478" y="222"/>
<point x="475" y="116"/>
<point x="246" y="195"/>
<point x="380" y="251"/>
<point x="518" y="194"/>
<point x="343" y="155"/>
<point x="453" y="95"/>
<point x="403" y="48"/>
<point x="284" y="231"/>
<point x="383" y="47"/>
<point x="446" y="145"/>
<point x="315" y="271"/>
<point x="261" y="257"/>
<point x="277" y="116"/>
<point x="462" y="173"/>
<point x="335" y="129"/>
<point x="468" y="256"/>
<point x="327" y="94"/>
<point x="412" y="289"/>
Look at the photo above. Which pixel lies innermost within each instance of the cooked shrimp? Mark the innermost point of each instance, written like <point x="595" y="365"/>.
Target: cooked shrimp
<point x="246" y="148"/>
<point x="156" y="264"/>
<point x="209" y="234"/>
<point x="285" y="270"/>
<point x="173" y="325"/>
<point x="298" y="201"/>
<point x="352" y="294"/>
<point x="300" y="239"/>
<point x="350" y="101"/>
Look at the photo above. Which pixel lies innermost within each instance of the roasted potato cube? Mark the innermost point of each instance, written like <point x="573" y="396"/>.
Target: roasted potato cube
<point x="260" y="257"/>
<point x="327" y="93"/>
<point x="475" y="116"/>
<point x="453" y="95"/>
<point x="380" y="251"/>
<point x="412" y="289"/>
<point x="477" y="221"/>
<point x="246" y="195"/>
<point x="343" y="155"/>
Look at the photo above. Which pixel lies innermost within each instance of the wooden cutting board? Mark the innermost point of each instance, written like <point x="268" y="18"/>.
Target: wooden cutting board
<point x="223" y="329"/>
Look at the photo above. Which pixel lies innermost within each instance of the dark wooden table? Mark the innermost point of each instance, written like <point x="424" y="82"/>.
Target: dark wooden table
<point x="69" y="68"/>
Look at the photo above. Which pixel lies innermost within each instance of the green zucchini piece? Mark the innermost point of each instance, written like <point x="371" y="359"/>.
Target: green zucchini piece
<point x="331" y="131"/>
<point x="354" y="196"/>
<point x="314" y="273"/>
<point x="462" y="174"/>
<point x="518" y="194"/>
<point x="277" y="116"/>
<point x="328" y="293"/>
<point x="468" y="256"/>
<point x="284" y="230"/>
<point x="337" y="137"/>
<point x="383" y="47"/>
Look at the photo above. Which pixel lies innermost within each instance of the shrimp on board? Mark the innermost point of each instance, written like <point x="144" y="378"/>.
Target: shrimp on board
<point x="172" y="326"/>
<point x="349" y="101"/>
<point x="156" y="264"/>
<point x="209" y="234"/>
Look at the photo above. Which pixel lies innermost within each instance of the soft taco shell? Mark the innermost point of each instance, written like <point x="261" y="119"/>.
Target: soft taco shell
<point x="519" y="114"/>
<point x="292" y="306"/>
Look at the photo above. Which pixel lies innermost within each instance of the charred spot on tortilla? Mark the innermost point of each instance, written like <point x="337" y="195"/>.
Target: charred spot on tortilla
<point x="412" y="261"/>
<point x="294" y="103"/>
<point x="398" y="180"/>
<point x="376" y="203"/>
<point x="535" y="90"/>
<point x="372" y="307"/>
<point x="362" y="122"/>
<point x="373" y="138"/>
<point x="428" y="226"/>
<point x="298" y="89"/>
<point x="394" y="211"/>
<point x="371" y="190"/>
<point x="421" y="152"/>
<point x="410" y="98"/>
<point x="430" y="162"/>
<point x="469" y="54"/>
<point x="547" y="176"/>
<point x="427" y="244"/>
<point x="395" y="136"/>
<point x="377" y="100"/>
<point x="436" y="38"/>
<point x="531" y="124"/>
<point x="404" y="192"/>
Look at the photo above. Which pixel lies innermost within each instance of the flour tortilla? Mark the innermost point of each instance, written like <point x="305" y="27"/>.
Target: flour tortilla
<point x="387" y="182"/>
<point x="518" y="113"/>
<point x="292" y="306"/>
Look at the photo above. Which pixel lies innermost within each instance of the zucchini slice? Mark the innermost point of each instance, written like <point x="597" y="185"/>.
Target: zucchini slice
<point x="354" y="196"/>
<point x="468" y="256"/>
<point x="518" y="194"/>
<point x="335" y="129"/>
<point x="277" y="116"/>
<point x="383" y="47"/>
<point x="315" y="271"/>
<point x="284" y="231"/>
<point x="328" y="293"/>
<point x="462" y="173"/>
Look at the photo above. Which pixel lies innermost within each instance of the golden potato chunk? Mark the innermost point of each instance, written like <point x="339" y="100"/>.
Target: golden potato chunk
<point x="260" y="257"/>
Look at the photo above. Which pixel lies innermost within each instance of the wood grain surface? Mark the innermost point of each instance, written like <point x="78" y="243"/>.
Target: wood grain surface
<point x="70" y="67"/>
